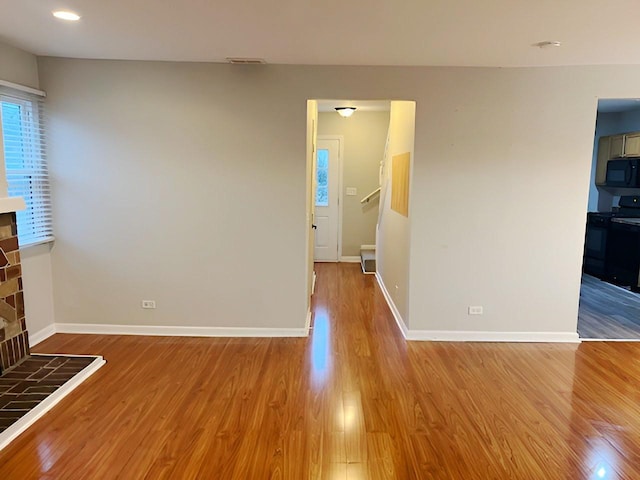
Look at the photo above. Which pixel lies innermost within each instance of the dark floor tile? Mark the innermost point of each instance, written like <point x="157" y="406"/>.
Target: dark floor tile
<point x="32" y="381"/>
<point x="19" y="405"/>
<point x="40" y="373"/>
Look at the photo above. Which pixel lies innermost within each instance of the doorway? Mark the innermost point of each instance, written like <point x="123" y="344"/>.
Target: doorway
<point x="609" y="299"/>
<point x="327" y="199"/>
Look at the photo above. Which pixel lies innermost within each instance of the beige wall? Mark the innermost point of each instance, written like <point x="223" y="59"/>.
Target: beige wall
<point x="394" y="230"/>
<point x="21" y="67"/>
<point x="364" y="135"/>
<point x="186" y="183"/>
<point x="18" y="66"/>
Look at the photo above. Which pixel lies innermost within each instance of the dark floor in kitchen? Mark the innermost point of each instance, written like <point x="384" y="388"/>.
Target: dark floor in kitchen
<point x="607" y="311"/>
<point x="31" y="381"/>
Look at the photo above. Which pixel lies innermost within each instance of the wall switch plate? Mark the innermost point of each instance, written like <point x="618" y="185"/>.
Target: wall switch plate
<point x="351" y="191"/>
<point x="148" y="304"/>
<point x="475" y="310"/>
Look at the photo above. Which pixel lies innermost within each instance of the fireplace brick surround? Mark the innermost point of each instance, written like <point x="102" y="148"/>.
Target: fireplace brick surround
<point x="14" y="338"/>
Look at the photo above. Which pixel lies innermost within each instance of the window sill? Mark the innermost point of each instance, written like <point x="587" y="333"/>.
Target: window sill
<point x="36" y="243"/>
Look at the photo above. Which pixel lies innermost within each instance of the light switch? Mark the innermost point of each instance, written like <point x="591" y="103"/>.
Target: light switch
<point x="351" y="191"/>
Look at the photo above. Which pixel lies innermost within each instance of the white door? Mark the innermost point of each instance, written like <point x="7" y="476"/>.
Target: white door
<point x="327" y="192"/>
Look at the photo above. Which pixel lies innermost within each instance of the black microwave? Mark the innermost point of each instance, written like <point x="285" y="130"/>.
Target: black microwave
<point x="623" y="172"/>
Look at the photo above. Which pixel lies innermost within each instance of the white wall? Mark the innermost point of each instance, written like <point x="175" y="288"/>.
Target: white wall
<point x="394" y="229"/>
<point x="364" y="136"/>
<point x="186" y="183"/>
<point x="20" y="67"/>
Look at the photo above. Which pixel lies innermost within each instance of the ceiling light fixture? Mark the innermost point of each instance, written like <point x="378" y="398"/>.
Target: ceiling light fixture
<point x="345" y="111"/>
<point x="246" y="61"/>
<point x="547" y="44"/>
<point x="66" y="15"/>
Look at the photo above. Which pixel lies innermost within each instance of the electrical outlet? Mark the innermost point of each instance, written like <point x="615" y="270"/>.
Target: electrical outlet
<point x="475" y="310"/>
<point x="148" y="304"/>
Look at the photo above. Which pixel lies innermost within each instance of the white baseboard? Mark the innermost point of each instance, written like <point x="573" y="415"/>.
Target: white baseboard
<point x="466" y="336"/>
<point x="350" y="259"/>
<point x="48" y="403"/>
<point x="392" y="306"/>
<point x="471" y="336"/>
<point x="313" y="283"/>
<point x="178" y="331"/>
<point x="307" y="325"/>
<point x="41" y="335"/>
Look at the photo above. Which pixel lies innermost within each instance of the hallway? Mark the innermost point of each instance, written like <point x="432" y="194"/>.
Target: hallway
<point x="353" y="401"/>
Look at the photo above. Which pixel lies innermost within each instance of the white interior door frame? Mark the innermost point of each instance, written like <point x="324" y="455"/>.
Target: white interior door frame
<point x="340" y="139"/>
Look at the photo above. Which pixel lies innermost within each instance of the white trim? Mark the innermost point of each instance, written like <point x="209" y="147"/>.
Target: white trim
<point x="23" y="88"/>
<point x="392" y="306"/>
<point x="481" y="336"/>
<point x="41" y="335"/>
<point x="52" y="400"/>
<point x="42" y="241"/>
<point x="307" y="325"/>
<point x="368" y="247"/>
<point x="629" y="340"/>
<point x="350" y="259"/>
<point x="11" y="204"/>
<point x="177" y="331"/>
<point x="366" y="273"/>
<point x="313" y="283"/>
<point x="462" y="336"/>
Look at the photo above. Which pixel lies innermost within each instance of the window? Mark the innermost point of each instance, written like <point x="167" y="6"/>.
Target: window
<point x="25" y="163"/>
<point x="322" y="178"/>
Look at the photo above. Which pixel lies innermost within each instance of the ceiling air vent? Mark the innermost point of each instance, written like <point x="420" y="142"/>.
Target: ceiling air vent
<point x="246" y="61"/>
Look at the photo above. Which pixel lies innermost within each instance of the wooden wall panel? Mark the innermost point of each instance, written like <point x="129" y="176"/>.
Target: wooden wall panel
<point x="400" y="183"/>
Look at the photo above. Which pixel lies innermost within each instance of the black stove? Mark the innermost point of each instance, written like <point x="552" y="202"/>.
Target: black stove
<point x="612" y="244"/>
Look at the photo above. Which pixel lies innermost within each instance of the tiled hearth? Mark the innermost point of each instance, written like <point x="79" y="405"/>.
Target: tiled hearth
<point x="14" y="338"/>
<point x="26" y="385"/>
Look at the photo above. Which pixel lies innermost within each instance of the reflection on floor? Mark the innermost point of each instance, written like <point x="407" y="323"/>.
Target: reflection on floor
<point x="607" y="311"/>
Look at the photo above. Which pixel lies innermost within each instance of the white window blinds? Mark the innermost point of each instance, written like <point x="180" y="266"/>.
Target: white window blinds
<point x="21" y="114"/>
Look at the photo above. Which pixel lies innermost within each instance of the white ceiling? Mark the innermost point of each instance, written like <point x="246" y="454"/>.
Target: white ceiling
<point x="357" y="32"/>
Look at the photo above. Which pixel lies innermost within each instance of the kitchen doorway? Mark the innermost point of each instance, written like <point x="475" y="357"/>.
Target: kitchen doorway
<point x="610" y="289"/>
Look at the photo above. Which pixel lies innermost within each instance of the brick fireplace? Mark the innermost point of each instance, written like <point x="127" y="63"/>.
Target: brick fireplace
<point x="14" y="338"/>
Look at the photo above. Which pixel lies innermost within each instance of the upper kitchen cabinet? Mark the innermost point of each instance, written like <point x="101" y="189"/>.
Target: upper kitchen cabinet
<point x="616" y="148"/>
<point x="604" y="149"/>
<point x="632" y="145"/>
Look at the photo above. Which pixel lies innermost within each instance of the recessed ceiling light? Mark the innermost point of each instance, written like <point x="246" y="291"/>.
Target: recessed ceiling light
<point x="66" y="15"/>
<point x="547" y="44"/>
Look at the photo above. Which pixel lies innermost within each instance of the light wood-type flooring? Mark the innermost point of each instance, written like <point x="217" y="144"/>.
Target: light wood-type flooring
<point x="607" y="311"/>
<point x="353" y="401"/>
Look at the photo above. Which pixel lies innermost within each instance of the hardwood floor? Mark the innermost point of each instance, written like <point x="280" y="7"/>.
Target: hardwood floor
<point x="353" y="401"/>
<point x="607" y="311"/>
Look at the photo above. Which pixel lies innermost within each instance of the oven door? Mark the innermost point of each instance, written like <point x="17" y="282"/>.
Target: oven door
<point x="595" y="246"/>
<point x="623" y="255"/>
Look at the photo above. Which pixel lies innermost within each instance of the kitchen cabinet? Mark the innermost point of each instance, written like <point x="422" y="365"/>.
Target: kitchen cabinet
<point x="617" y="146"/>
<point x="604" y="147"/>
<point x="632" y="145"/>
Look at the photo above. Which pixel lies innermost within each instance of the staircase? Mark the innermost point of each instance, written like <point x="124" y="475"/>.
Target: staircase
<point x="368" y="259"/>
